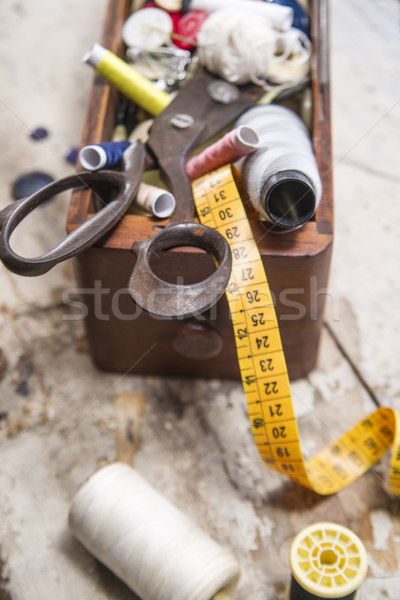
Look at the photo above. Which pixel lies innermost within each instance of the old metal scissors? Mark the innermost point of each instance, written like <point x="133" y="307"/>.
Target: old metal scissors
<point x="203" y="107"/>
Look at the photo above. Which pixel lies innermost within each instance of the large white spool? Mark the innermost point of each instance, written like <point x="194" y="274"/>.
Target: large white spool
<point x="146" y="541"/>
<point x="281" y="177"/>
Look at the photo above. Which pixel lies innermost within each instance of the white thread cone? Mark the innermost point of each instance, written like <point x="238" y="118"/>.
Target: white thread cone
<point x="145" y="540"/>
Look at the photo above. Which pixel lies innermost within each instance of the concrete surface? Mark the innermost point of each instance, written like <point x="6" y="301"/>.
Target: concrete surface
<point x="60" y="419"/>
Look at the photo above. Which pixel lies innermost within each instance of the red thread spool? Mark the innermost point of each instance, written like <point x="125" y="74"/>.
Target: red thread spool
<point x="188" y="27"/>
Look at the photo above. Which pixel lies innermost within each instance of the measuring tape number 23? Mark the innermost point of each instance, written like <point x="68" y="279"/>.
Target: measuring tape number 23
<point x="263" y="366"/>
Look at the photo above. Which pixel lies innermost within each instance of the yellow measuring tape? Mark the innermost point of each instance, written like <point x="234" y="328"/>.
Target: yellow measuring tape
<point x="263" y="366"/>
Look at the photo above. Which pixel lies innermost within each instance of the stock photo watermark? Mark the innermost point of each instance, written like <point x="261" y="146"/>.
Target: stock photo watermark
<point x="292" y="303"/>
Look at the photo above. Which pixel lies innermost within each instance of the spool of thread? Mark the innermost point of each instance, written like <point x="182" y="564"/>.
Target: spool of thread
<point x="131" y="83"/>
<point x="188" y="28"/>
<point x="300" y="18"/>
<point x="102" y="156"/>
<point x="280" y="17"/>
<point x="234" y="145"/>
<point x="146" y="541"/>
<point x="327" y="561"/>
<point x="153" y="199"/>
<point x="170" y="5"/>
<point x="174" y="15"/>
<point x="147" y="29"/>
<point x="281" y="177"/>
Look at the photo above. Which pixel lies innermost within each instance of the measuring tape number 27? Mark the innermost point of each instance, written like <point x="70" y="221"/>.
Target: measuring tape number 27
<point x="263" y="366"/>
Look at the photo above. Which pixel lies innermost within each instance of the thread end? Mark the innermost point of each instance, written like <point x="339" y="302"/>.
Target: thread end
<point x="246" y="138"/>
<point x="163" y="205"/>
<point x="94" y="56"/>
<point x="92" y="157"/>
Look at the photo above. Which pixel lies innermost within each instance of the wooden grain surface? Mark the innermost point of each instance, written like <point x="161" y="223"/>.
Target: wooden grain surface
<point x="60" y="418"/>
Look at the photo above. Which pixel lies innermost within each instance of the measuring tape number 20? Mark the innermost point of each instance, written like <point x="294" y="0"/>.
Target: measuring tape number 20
<point x="263" y="366"/>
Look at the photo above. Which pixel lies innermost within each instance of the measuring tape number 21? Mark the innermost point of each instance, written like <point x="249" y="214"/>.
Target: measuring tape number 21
<point x="263" y="366"/>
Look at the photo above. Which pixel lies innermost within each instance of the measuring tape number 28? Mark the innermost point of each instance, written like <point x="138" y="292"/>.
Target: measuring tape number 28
<point x="263" y="366"/>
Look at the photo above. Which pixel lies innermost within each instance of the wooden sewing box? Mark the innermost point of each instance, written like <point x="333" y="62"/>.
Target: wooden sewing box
<point x="122" y="338"/>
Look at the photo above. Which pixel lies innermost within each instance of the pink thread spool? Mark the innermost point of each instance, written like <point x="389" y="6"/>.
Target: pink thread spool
<point x="232" y="146"/>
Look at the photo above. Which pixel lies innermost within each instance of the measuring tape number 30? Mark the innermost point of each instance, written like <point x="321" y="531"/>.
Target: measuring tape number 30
<point x="263" y="366"/>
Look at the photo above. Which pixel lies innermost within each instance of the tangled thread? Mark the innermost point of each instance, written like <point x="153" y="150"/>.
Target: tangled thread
<point x="242" y="47"/>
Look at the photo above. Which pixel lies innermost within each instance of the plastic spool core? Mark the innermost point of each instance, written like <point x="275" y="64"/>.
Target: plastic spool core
<point x="164" y="205"/>
<point x="289" y="199"/>
<point x="328" y="561"/>
<point x="328" y="558"/>
<point x="247" y="137"/>
<point x="92" y="157"/>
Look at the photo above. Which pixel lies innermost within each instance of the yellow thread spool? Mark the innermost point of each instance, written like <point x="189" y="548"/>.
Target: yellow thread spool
<point x="327" y="560"/>
<point x="131" y="83"/>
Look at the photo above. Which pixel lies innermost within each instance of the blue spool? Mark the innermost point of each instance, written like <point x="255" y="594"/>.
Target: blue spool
<point x="300" y="18"/>
<point x="102" y="156"/>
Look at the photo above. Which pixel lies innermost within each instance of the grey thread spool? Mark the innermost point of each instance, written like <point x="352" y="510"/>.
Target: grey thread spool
<point x="281" y="177"/>
<point x="146" y="541"/>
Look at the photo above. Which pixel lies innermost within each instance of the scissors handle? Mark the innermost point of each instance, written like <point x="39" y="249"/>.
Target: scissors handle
<point x="87" y="234"/>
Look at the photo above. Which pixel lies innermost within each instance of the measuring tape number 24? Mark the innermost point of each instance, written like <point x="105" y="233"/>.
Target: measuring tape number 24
<point x="263" y="366"/>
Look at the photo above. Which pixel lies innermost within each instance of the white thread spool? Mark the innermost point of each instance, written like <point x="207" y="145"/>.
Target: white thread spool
<point x="281" y="177"/>
<point x="280" y="17"/>
<point x="146" y="541"/>
<point x="155" y="200"/>
<point x="147" y="29"/>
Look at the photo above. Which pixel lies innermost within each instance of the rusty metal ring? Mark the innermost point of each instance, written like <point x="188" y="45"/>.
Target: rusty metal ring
<point x="169" y="300"/>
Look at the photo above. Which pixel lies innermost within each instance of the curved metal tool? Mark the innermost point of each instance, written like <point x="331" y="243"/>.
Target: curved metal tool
<point x="125" y="183"/>
<point x="170" y="300"/>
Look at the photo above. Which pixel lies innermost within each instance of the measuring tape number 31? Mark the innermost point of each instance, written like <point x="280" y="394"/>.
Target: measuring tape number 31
<point x="263" y="366"/>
